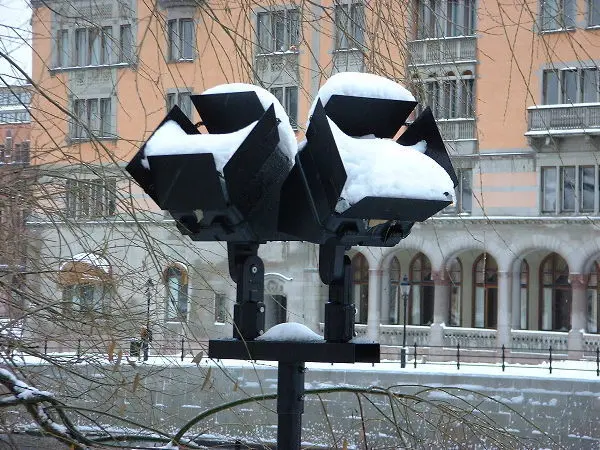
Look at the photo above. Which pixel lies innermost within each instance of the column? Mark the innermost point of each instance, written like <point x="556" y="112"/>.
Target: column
<point x="385" y="297"/>
<point x="504" y="309"/>
<point x="441" y="306"/>
<point x="578" y="314"/>
<point x="374" y="312"/>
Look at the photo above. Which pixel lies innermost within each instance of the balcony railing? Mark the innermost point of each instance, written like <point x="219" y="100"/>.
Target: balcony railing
<point x="281" y="66"/>
<point x="442" y="50"/>
<point x="351" y="60"/>
<point x="539" y="340"/>
<point x="563" y="119"/>
<point x="457" y="129"/>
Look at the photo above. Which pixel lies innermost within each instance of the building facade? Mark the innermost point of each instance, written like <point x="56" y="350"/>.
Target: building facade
<point x="513" y="262"/>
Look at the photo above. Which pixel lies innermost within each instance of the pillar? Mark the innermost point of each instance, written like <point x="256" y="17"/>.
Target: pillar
<point x="504" y="309"/>
<point x="441" y="306"/>
<point x="374" y="311"/>
<point x="578" y="314"/>
<point x="384" y="300"/>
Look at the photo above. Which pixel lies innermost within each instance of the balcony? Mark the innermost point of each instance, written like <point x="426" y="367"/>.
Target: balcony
<point x="446" y="50"/>
<point x="457" y="129"/>
<point x="563" y="120"/>
<point x="277" y="66"/>
<point x="351" y="60"/>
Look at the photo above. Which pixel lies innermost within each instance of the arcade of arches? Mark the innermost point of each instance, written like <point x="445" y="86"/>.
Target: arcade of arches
<point x="538" y="294"/>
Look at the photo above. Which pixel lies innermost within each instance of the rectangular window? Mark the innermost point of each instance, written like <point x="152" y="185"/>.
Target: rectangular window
<point x="569" y="86"/>
<point x="93" y="114"/>
<point x="278" y="31"/>
<point x="288" y="97"/>
<point x="62" y="48"/>
<point x="567" y="181"/>
<point x="125" y="44"/>
<point x="589" y="85"/>
<point x="349" y="26"/>
<point x="181" y="99"/>
<point x="106" y="46"/>
<point x="81" y="47"/>
<point x="94" y="47"/>
<point x="550" y="87"/>
<point x="89" y="199"/>
<point x="220" y="308"/>
<point x="181" y="39"/>
<point x="463" y="193"/>
<point x="427" y="19"/>
<point x="549" y="183"/>
<point x="558" y="14"/>
<point x="593" y="13"/>
<point x="586" y="188"/>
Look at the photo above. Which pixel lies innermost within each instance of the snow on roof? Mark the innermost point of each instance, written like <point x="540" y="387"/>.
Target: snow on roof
<point x="290" y="331"/>
<point x="359" y="84"/>
<point x="287" y="143"/>
<point x="383" y="168"/>
<point x="170" y="139"/>
<point x="89" y="258"/>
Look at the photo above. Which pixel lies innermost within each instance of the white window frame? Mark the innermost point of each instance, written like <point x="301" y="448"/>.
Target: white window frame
<point x="177" y="44"/>
<point x="181" y="98"/>
<point x="349" y="26"/>
<point x="593" y="13"/>
<point x="434" y="22"/>
<point x="285" y="95"/>
<point x="564" y="19"/>
<point x="173" y="312"/>
<point x="96" y="114"/>
<point x="560" y="85"/>
<point x="461" y="89"/>
<point x="291" y="31"/>
<point x="465" y="183"/>
<point x="557" y="194"/>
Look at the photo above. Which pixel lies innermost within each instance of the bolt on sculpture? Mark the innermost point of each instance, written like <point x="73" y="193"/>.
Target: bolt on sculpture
<point x="247" y="182"/>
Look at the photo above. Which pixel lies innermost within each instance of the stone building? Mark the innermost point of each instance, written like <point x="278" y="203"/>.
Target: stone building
<point x="513" y="262"/>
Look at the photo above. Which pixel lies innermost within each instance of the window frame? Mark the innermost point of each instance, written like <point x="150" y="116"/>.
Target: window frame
<point x="176" y="40"/>
<point x="266" y="39"/>
<point x="557" y="193"/>
<point x="349" y="22"/>
<point x="183" y="297"/>
<point x="458" y="207"/>
<point x="285" y="98"/>
<point x="99" y="127"/>
<point x="565" y="20"/>
<point x="593" y="10"/>
<point x="82" y="196"/>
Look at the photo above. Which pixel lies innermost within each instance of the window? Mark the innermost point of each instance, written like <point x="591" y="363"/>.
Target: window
<point x="88" y="199"/>
<point x="220" y="308"/>
<point x="449" y="96"/>
<point x="593" y="13"/>
<point x="94" y="115"/>
<point x="62" y="48"/>
<point x="593" y="312"/>
<point x="81" y="55"/>
<point x="555" y="295"/>
<point x="558" y="14"/>
<point x="349" y="26"/>
<point x="455" y="275"/>
<point x="463" y="193"/>
<point x="21" y="153"/>
<point x="420" y="307"/>
<point x="85" y="297"/>
<point x="569" y="189"/>
<point x="485" y="304"/>
<point x="396" y="313"/>
<point x="288" y="97"/>
<point x="278" y="31"/>
<point x="176" y="281"/>
<point x="524" y="295"/>
<point x="439" y="18"/>
<point x="125" y="44"/>
<point x="566" y="86"/>
<point x="181" y="99"/>
<point x="360" y="287"/>
<point x="181" y="39"/>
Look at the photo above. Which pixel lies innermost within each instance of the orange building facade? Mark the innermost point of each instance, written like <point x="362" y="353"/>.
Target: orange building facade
<point x="514" y="88"/>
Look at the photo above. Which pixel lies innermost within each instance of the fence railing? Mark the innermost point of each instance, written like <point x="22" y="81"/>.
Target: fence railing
<point x="443" y="50"/>
<point x="564" y="117"/>
<point x="528" y="340"/>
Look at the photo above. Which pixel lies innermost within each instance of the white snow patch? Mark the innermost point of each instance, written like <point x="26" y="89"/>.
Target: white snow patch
<point x="170" y="139"/>
<point x="359" y="84"/>
<point x="384" y="168"/>
<point x="89" y="258"/>
<point x="287" y="143"/>
<point x="290" y="331"/>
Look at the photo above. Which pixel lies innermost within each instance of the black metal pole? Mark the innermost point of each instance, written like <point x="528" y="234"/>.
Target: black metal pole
<point x="290" y="404"/>
<point x="146" y="337"/>
<point x="403" y="350"/>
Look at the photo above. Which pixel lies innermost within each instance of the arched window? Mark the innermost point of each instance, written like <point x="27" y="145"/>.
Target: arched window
<point x="420" y="307"/>
<point x="524" y="295"/>
<point x="455" y="275"/>
<point x="485" y="305"/>
<point x="555" y="307"/>
<point x="450" y="96"/>
<point x="593" y="312"/>
<point x="467" y="87"/>
<point x="360" y="287"/>
<point x="86" y="283"/>
<point x="395" y="300"/>
<point x="175" y="278"/>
